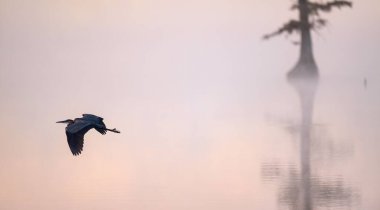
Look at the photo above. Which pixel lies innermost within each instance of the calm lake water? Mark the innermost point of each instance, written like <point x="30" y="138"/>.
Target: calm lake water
<point x="271" y="145"/>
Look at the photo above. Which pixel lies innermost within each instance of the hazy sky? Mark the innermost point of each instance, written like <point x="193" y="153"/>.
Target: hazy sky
<point x="68" y="48"/>
<point x="52" y="47"/>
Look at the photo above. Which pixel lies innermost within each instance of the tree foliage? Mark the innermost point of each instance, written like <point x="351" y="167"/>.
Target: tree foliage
<point x="314" y="7"/>
<point x="289" y="27"/>
<point x="316" y="22"/>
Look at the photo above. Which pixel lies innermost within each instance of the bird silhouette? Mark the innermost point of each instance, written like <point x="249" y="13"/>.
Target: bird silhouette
<point x="77" y="128"/>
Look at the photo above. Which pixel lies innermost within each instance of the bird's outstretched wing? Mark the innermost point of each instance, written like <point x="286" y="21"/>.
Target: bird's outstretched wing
<point x="75" y="142"/>
<point x="75" y="135"/>
<point x="97" y="121"/>
<point x="92" y="117"/>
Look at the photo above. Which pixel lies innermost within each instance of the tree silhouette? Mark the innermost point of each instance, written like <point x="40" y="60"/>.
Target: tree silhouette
<point x="309" y="19"/>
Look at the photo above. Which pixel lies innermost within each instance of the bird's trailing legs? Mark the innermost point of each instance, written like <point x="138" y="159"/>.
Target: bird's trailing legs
<point x="112" y="130"/>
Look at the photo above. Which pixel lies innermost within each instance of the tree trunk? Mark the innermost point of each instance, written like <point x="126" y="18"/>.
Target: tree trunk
<point x="306" y="65"/>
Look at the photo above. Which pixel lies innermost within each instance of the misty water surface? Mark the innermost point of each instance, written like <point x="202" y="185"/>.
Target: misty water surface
<point x="216" y="149"/>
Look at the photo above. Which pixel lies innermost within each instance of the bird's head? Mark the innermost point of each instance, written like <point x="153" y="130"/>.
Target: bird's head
<point x="68" y="121"/>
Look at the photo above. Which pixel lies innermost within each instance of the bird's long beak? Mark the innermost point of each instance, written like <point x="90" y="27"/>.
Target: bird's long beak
<point x="61" y="121"/>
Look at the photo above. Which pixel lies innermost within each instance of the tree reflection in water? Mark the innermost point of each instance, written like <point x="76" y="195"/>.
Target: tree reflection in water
<point x="300" y="188"/>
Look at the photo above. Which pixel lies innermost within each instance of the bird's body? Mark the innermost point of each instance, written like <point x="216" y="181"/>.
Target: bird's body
<point x="77" y="128"/>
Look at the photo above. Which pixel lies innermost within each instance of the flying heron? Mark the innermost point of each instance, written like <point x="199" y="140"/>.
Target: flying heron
<point x="76" y="129"/>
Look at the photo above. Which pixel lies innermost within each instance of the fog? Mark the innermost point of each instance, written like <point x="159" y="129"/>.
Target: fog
<point x="207" y="117"/>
